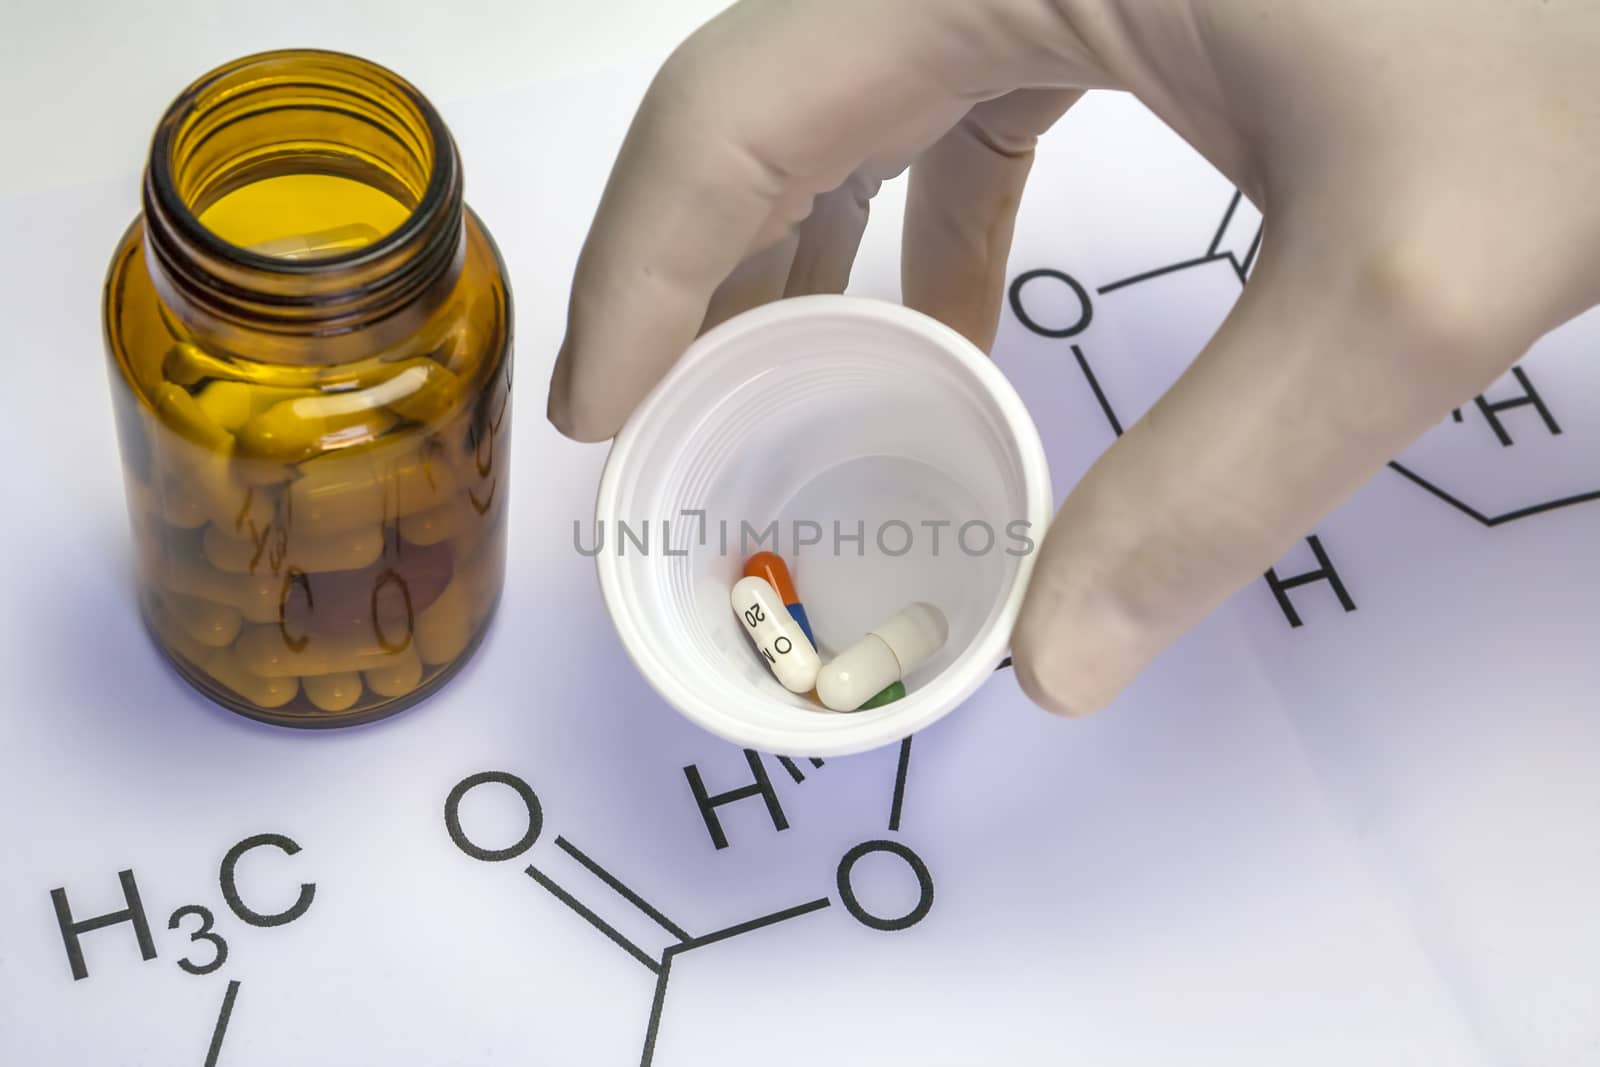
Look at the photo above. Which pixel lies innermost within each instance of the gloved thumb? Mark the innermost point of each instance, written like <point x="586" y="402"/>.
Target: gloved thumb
<point x="1332" y="361"/>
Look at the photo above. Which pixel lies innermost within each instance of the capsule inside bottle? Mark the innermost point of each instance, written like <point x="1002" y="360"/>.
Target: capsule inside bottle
<point x="311" y="385"/>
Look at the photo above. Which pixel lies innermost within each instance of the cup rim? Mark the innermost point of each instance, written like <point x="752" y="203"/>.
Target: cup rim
<point x="962" y="677"/>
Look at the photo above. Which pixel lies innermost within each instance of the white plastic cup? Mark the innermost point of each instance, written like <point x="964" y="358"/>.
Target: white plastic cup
<point x="831" y="416"/>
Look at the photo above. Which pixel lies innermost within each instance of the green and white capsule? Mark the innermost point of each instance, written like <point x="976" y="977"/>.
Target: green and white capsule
<point x="888" y="653"/>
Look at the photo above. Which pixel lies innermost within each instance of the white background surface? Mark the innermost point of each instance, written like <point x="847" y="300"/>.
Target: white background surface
<point x="1371" y="839"/>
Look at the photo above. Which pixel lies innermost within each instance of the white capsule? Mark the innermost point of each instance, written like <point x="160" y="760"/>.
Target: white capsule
<point x="886" y="655"/>
<point x="778" y="637"/>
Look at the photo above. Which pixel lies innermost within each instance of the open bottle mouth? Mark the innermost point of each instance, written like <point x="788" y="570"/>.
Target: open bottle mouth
<point x="300" y="193"/>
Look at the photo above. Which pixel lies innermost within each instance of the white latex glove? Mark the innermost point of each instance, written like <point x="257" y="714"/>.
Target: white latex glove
<point x="1429" y="171"/>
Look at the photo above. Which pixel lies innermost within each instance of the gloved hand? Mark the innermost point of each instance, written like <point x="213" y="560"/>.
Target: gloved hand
<point x="1428" y="171"/>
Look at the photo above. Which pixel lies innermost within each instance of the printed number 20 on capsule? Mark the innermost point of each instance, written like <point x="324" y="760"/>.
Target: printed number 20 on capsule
<point x="777" y="634"/>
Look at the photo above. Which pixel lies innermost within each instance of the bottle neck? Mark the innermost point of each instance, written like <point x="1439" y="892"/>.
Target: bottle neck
<point x="302" y="207"/>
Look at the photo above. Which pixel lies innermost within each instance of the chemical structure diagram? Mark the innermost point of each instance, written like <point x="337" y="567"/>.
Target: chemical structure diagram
<point x="1235" y="244"/>
<point x="203" y="931"/>
<point x="761" y="787"/>
<point x="212" y="951"/>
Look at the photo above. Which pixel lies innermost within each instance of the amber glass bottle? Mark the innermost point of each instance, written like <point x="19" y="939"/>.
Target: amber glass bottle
<point x="310" y="346"/>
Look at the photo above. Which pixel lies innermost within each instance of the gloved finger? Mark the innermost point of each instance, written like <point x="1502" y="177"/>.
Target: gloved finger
<point x="758" y="279"/>
<point x="682" y="207"/>
<point x="1327" y="367"/>
<point x="830" y="237"/>
<point x="815" y="258"/>
<point x="961" y="209"/>
<point x="713" y="167"/>
<point x="760" y="111"/>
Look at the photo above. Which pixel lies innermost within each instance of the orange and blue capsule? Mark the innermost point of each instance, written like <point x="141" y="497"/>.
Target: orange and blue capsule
<point x="770" y="567"/>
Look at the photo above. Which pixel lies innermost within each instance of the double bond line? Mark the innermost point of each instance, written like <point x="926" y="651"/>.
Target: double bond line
<point x="623" y="891"/>
<point x="588" y="915"/>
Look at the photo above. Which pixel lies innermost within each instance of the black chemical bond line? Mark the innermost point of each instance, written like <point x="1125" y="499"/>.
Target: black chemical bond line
<point x="661" y="966"/>
<point x="627" y="894"/>
<point x="900" y="782"/>
<point x="794" y="771"/>
<point x="1150" y="275"/>
<point x="594" y="920"/>
<point x="1241" y="269"/>
<point x="1492" y="520"/>
<point x="221" y="1029"/>
<point x="1099" y="393"/>
<point x="673" y="951"/>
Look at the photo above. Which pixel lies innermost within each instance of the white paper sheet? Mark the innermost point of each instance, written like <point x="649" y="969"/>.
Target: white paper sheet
<point x="1369" y="838"/>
